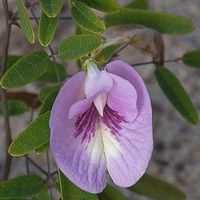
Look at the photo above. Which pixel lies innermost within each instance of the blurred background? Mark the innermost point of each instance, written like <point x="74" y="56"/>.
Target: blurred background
<point x="176" y="155"/>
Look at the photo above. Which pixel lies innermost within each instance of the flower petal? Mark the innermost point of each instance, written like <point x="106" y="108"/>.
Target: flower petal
<point x="81" y="106"/>
<point x="127" y="72"/>
<point x="71" y="92"/>
<point x="123" y="98"/>
<point x="77" y="150"/>
<point x="102" y="83"/>
<point x="133" y="152"/>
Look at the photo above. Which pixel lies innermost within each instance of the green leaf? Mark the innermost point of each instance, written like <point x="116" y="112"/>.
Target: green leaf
<point x="157" y="189"/>
<point x="192" y="58"/>
<point x="77" y="46"/>
<point x="57" y="184"/>
<point x="71" y="191"/>
<point x="50" y="75"/>
<point x="42" y="194"/>
<point x="27" y="69"/>
<point x="15" y="108"/>
<point x="13" y="198"/>
<point x="138" y="4"/>
<point x="84" y="17"/>
<point x="176" y="94"/>
<point x="33" y="137"/>
<point x="70" y="3"/>
<point x="48" y="103"/>
<point x="46" y="30"/>
<point x="109" y="51"/>
<point x="108" y="6"/>
<point x="46" y="91"/>
<point x="51" y="8"/>
<point x="106" y="53"/>
<point x="43" y="148"/>
<point x="79" y="30"/>
<point x="162" y="22"/>
<point x="21" y="186"/>
<point x="111" y="193"/>
<point x="25" y="22"/>
<point x="11" y="60"/>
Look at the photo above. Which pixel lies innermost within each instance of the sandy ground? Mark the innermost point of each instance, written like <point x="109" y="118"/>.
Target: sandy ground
<point x="176" y="155"/>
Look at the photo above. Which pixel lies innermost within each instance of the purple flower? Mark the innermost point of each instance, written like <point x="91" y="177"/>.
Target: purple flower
<point x="102" y="120"/>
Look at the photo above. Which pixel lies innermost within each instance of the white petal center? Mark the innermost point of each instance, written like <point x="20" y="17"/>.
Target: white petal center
<point x="100" y="102"/>
<point x="92" y="70"/>
<point x="101" y="99"/>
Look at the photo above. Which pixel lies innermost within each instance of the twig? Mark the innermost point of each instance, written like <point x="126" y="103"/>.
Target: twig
<point x="27" y="165"/>
<point x="3" y="92"/>
<point x="151" y="62"/>
<point x="49" y="172"/>
<point x="36" y="165"/>
<point x="54" y="172"/>
<point x="116" y="53"/>
<point x="34" y="17"/>
<point x="7" y="38"/>
<point x="55" y="64"/>
<point x="174" y="60"/>
<point x="32" y="110"/>
<point x="54" y="55"/>
<point x="51" y="50"/>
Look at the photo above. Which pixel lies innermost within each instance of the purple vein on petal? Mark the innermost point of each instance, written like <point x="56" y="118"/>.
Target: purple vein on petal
<point x="86" y="124"/>
<point x="112" y="120"/>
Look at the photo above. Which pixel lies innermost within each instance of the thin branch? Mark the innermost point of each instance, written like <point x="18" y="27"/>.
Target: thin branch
<point x="7" y="38"/>
<point x="144" y="63"/>
<point x="120" y="49"/>
<point x="174" y="60"/>
<point x="27" y="165"/>
<point x="54" y="55"/>
<point x="151" y="62"/>
<point x="8" y="134"/>
<point x="3" y="92"/>
<point x="36" y="165"/>
<point x="54" y="172"/>
<point x="34" y="17"/>
<point x="49" y="172"/>
<point x="51" y="50"/>
<point x="33" y="110"/>
<point x="55" y="64"/>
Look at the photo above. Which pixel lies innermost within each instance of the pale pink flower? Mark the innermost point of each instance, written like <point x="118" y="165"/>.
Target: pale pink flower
<point x="102" y="121"/>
